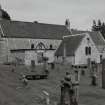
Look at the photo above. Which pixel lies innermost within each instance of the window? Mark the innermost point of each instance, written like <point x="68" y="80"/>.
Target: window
<point x="51" y="46"/>
<point x="40" y="46"/>
<point x="88" y="40"/>
<point x="88" y="50"/>
<point x="32" y="46"/>
<point x="100" y="58"/>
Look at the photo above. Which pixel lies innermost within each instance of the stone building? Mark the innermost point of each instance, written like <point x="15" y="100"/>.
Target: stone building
<point x="28" y="41"/>
<point x="80" y="49"/>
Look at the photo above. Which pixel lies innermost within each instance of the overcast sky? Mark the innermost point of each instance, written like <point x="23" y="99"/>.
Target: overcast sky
<point x="80" y="12"/>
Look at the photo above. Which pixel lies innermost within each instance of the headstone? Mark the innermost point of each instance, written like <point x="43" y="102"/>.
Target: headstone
<point x="82" y="72"/>
<point x="66" y="94"/>
<point x="103" y="74"/>
<point x="77" y="73"/>
<point x="32" y="65"/>
<point x="52" y="65"/>
<point x="99" y="75"/>
<point x="47" y="97"/>
<point x="94" y="74"/>
<point x="24" y="80"/>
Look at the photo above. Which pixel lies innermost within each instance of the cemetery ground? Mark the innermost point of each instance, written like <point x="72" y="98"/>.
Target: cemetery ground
<point x="12" y="91"/>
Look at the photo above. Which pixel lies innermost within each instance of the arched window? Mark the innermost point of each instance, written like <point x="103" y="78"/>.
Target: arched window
<point x="88" y="50"/>
<point x="40" y="46"/>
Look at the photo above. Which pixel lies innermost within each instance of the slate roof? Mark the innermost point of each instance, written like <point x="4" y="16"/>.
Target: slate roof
<point x="5" y="15"/>
<point x="74" y="40"/>
<point x="71" y="44"/>
<point x="96" y="36"/>
<point x="19" y="29"/>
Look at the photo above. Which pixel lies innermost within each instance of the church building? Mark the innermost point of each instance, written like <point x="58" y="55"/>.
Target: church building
<point x="82" y="48"/>
<point x="28" y="42"/>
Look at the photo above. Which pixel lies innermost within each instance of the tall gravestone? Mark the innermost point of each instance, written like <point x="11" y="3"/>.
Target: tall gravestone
<point x="94" y="73"/>
<point x="103" y="73"/>
<point x="77" y="73"/>
<point x="66" y="95"/>
<point x="32" y="65"/>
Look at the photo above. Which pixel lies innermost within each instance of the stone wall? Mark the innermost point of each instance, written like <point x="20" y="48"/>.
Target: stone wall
<point x="33" y="55"/>
<point x="25" y="43"/>
<point x="29" y="56"/>
<point x="18" y="57"/>
<point x="22" y="43"/>
<point x="81" y="57"/>
<point x="3" y="51"/>
<point x="50" y="55"/>
<point x="99" y="75"/>
<point x="70" y="59"/>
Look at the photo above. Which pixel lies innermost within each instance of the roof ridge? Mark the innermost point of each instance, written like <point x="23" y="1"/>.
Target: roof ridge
<point x="21" y="29"/>
<point x="32" y="22"/>
<point x="74" y="35"/>
<point x="101" y="36"/>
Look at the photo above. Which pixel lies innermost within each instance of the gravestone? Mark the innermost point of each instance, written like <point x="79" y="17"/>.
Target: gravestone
<point x="45" y="59"/>
<point x="66" y="94"/>
<point x="76" y="80"/>
<point x="94" y="73"/>
<point x="52" y="65"/>
<point x="32" y="65"/>
<point x="103" y="74"/>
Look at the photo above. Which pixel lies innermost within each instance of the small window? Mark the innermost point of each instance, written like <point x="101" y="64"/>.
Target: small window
<point x="76" y="75"/>
<point x="100" y="57"/>
<point x="32" y="46"/>
<point x="88" y="39"/>
<point x="86" y="50"/>
<point x="51" y="46"/>
<point x="89" y="50"/>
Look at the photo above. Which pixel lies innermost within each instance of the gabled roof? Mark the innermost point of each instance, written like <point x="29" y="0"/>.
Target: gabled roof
<point x="71" y="43"/>
<point x="4" y="15"/>
<point x="19" y="29"/>
<point x="96" y="36"/>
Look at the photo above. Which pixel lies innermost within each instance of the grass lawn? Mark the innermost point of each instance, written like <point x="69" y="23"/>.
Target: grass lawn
<point x="12" y="91"/>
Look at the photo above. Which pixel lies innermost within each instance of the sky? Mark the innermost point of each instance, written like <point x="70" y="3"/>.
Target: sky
<point x="81" y="13"/>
